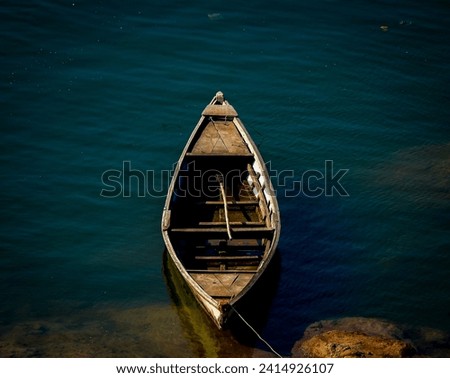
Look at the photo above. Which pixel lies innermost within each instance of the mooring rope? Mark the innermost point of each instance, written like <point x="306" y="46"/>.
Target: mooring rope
<point x="256" y="333"/>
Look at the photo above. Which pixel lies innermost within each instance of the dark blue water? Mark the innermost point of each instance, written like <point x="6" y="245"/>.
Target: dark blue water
<point x="87" y="85"/>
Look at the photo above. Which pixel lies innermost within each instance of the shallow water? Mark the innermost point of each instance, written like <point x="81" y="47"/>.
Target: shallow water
<point x="88" y="85"/>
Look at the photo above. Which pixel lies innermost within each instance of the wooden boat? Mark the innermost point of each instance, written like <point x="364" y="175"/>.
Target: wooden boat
<point x="220" y="221"/>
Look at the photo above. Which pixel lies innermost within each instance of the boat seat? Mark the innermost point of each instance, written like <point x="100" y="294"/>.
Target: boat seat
<point x="239" y="232"/>
<point x="231" y="154"/>
<point x="233" y="247"/>
<point x="245" y="271"/>
<point x="231" y="203"/>
<point x="236" y="243"/>
<point x="227" y="257"/>
<point x="232" y="224"/>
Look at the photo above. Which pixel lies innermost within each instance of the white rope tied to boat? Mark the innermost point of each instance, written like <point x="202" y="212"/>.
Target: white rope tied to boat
<point x="256" y="333"/>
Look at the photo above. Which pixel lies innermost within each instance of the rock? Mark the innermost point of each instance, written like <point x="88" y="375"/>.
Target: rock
<point x="351" y="344"/>
<point x="353" y="337"/>
<point x="368" y="326"/>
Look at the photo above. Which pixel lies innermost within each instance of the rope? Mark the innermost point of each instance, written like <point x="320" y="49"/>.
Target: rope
<point x="256" y="333"/>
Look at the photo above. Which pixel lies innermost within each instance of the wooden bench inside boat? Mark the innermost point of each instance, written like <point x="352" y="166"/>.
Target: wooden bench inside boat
<point x="228" y="271"/>
<point x="195" y="231"/>
<point x="235" y="243"/>
<point x="248" y="156"/>
<point x="225" y="264"/>
<point x="230" y="203"/>
<point x="233" y="247"/>
<point x="229" y="257"/>
<point x="232" y="223"/>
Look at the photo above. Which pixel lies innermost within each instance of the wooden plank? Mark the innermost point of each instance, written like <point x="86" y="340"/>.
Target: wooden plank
<point x="255" y="177"/>
<point x="221" y="138"/>
<point x="231" y="203"/>
<point x="262" y="224"/>
<point x="219" y="154"/>
<point x="228" y="271"/>
<point x="225" y="257"/>
<point x="245" y="242"/>
<point x="252" y="244"/>
<point x="220" y="230"/>
<point x="224" y="110"/>
<point x="259" y="189"/>
<point x="222" y="284"/>
<point x="238" y="243"/>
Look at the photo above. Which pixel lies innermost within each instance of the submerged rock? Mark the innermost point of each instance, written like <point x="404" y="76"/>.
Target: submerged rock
<point x="353" y="337"/>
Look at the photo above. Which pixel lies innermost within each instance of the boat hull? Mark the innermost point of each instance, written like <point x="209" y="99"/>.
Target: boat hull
<point x="220" y="221"/>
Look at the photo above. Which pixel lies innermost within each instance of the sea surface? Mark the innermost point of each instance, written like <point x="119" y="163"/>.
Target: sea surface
<point x="88" y="87"/>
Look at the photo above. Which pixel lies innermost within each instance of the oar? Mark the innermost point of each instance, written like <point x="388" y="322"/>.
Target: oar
<point x="225" y="206"/>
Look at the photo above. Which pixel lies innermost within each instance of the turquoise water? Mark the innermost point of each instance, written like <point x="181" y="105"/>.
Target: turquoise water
<point x="86" y="86"/>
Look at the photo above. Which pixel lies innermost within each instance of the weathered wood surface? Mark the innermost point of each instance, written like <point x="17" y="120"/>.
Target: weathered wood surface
<point x="222" y="284"/>
<point x="222" y="110"/>
<point x="244" y="223"/>
<point x="222" y="138"/>
<point x="244" y="257"/>
<point x="206" y="230"/>
<point x="232" y="202"/>
<point x="235" y="243"/>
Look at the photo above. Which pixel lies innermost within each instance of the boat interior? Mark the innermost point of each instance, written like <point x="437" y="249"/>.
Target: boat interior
<point x="200" y="214"/>
<point x="220" y="224"/>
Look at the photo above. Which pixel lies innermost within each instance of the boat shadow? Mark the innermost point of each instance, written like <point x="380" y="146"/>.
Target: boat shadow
<point x="236" y="339"/>
<point x="255" y="307"/>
